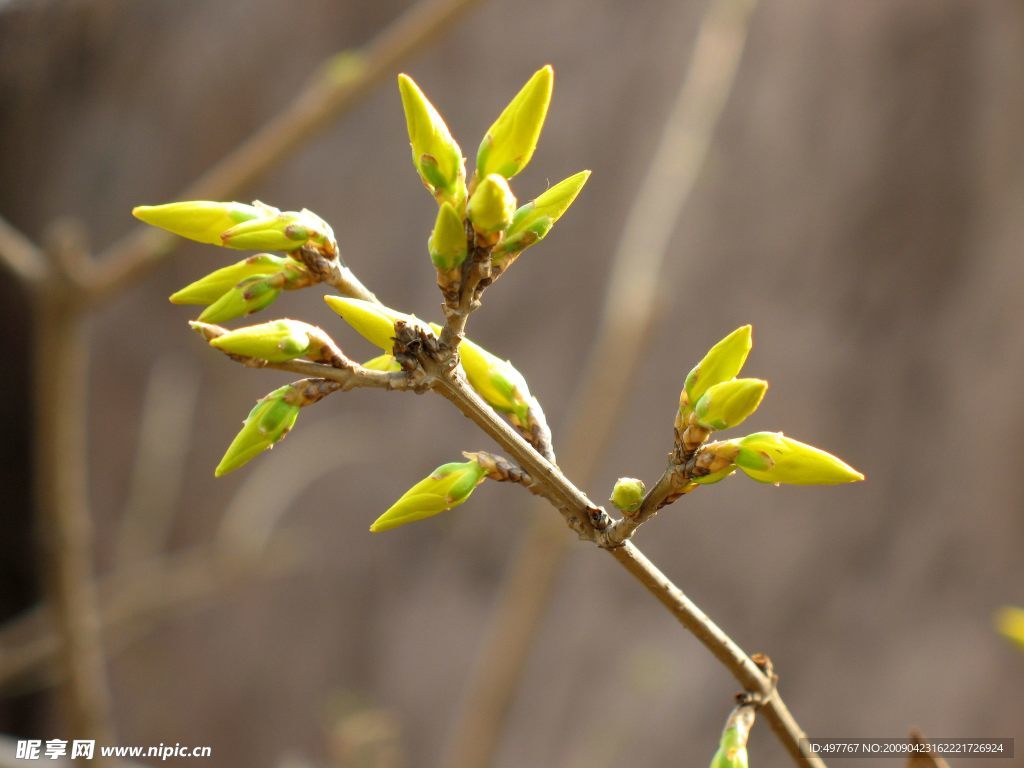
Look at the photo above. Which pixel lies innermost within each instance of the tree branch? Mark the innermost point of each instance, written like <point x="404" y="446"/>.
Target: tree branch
<point x="21" y="256"/>
<point x="640" y="261"/>
<point x="339" y="83"/>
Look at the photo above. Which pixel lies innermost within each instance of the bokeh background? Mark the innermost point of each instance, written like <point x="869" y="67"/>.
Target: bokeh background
<point x="862" y="205"/>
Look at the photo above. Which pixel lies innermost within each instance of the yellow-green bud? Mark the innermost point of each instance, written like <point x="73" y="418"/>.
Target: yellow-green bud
<point x="210" y="288"/>
<point x="496" y="381"/>
<point x="265" y="425"/>
<point x="435" y="155"/>
<point x="200" y="220"/>
<point x="492" y="205"/>
<point x="386" y="363"/>
<point x="1010" y="623"/>
<point x="534" y="220"/>
<point x="722" y="362"/>
<point x="447" y="243"/>
<point x="771" y="457"/>
<point x="275" y="341"/>
<point x="510" y="142"/>
<point x="732" y="752"/>
<point x="728" y="404"/>
<point x="628" y="493"/>
<point x="446" y="487"/>
<point x="374" y="322"/>
<point x="249" y="296"/>
<point x="279" y="231"/>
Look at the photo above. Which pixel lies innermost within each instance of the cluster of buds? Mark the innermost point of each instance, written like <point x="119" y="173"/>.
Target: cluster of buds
<point x="479" y="222"/>
<point x="714" y="399"/>
<point x="253" y="283"/>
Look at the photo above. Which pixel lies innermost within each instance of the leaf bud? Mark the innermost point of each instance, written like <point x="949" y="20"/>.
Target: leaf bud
<point x="446" y="487"/>
<point x="627" y="494"/>
<point x="276" y="341"/>
<point x="267" y="423"/>
<point x="435" y="155"/>
<point x="510" y="141"/>
<point x="729" y="403"/>
<point x="492" y="205"/>
<point x="771" y="457"/>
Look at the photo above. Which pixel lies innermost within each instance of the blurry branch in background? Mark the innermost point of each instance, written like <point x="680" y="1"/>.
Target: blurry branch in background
<point x="146" y="592"/>
<point x="64" y="283"/>
<point x="640" y="261"/>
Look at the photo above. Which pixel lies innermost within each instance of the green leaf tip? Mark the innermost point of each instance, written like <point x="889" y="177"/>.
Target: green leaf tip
<point x="511" y="140"/>
<point x="771" y="457"/>
<point x="445" y="488"/>
<point x="267" y="424"/>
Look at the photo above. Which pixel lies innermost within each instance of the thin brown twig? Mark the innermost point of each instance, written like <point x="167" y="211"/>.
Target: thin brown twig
<point x="621" y="339"/>
<point x="337" y="86"/>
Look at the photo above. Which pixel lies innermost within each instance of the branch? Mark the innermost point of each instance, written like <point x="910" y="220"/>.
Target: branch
<point x="21" y="256"/>
<point x="640" y="261"/>
<point x="550" y="483"/>
<point x="337" y="86"/>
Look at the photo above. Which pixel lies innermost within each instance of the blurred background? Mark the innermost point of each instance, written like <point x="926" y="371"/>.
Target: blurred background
<point x="861" y="203"/>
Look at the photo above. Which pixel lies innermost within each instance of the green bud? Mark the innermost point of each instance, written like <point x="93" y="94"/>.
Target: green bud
<point x="728" y="404"/>
<point x="534" y="220"/>
<point x="510" y="142"/>
<point x="435" y="155"/>
<point x="275" y="341"/>
<point x="732" y="747"/>
<point x="265" y="425"/>
<point x="496" y="381"/>
<point x="492" y="205"/>
<point x="628" y="493"/>
<point x="249" y="296"/>
<point x="446" y="487"/>
<point x="722" y="362"/>
<point x="279" y="231"/>
<point x="374" y="322"/>
<point x="730" y="756"/>
<point x="771" y="457"/>
<point x="1010" y="623"/>
<point x="386" y="363"/>
<point x="447" y="243"/>
<point x="199" y="220"/>
<point x="210" y="288"/>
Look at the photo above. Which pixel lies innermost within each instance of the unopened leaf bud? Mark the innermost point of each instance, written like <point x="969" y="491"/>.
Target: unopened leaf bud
<point x="446" y="487"/>
<point x="267" y="423"/>
<point x="447" y="243"/>
<point x="729" y="403"/>
<point x="276" y="341"/>
<point x="722" y="362"/>
<point x="771" y="457"/>
<point x="492" y="205"/>
<point x="435" y="155"/>
<point x="534" y="220"/>
<point x="281" y="231"/>
<point x="732" y="748"/>
<point x="199" y="220"/>
<point x="210" y="288"/>
<point x="497" y="381"/>
<point x="249" y="296"/>
<point x="509" y="143"/>
<point x="628" y="493"/>
<point x="374" y="322"/>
